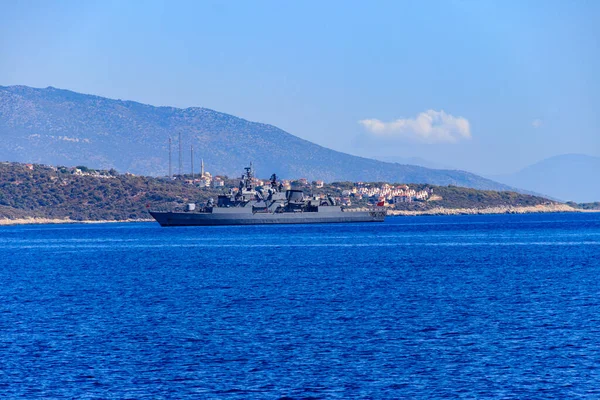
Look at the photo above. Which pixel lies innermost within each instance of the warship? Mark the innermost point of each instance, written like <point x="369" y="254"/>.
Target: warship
<point x="271" y="205"/>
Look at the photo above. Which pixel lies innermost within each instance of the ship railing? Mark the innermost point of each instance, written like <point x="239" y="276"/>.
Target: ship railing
<point x="363" y="209"/>
<point x="179" y="209"/>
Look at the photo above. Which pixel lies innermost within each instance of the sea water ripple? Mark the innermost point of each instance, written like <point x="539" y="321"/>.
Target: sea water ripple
<point x="417" y="307"/>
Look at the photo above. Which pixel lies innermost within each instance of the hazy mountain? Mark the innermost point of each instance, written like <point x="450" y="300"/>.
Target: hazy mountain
<point x="568" y="177"/>
<point x="421" y="162"/>
<point x="61" y="127"/>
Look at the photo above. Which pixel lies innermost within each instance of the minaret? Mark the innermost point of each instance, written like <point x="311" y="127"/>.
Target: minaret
<point x="202" y="169"/>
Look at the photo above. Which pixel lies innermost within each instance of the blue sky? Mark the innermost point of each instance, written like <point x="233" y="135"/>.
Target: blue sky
<point x="484" y="86"/>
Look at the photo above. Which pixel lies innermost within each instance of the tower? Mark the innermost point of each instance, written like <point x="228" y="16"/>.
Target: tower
<point x="170" y="161"/>
<point x="192" y="159"/>
<point x="202" y="168"/>
<point x="180" y="156"/>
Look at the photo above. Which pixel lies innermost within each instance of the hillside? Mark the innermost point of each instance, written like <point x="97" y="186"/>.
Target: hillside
<point x="60" y="127"/>
<point x="421" y="162"/>
<point x="51" y="192"/>
<point x="56" y="193"/>
<point x="568" y="177"/>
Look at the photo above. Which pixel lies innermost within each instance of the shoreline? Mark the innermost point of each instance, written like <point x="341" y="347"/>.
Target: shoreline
<point x="540" y="209"/>
<point x="438" y="211"/>
<point x="58" y="221"/>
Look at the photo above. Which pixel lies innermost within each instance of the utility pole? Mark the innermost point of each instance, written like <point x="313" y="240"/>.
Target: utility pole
<point x="180" y="156"/>
<point x="170" y="161"/>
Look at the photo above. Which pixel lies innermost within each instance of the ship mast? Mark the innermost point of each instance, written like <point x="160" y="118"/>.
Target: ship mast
<point x="249" y="178"/>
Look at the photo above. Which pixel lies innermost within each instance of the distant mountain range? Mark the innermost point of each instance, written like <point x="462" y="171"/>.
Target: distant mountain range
<point x="61" y="127"/>
<point x="568" y="177"/>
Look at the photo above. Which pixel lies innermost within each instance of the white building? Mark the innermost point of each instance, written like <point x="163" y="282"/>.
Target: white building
<point x="218" y="182"/>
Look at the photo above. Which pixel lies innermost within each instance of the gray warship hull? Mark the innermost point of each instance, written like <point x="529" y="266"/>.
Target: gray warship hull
<point x="238" y="217"/>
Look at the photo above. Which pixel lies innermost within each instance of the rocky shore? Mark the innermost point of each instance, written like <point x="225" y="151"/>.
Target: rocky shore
<point x="40" y="221"/>
<point x="550" y="208"/>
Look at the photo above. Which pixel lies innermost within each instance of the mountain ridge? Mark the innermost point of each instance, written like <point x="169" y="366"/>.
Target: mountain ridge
<point x="58" y="126"/>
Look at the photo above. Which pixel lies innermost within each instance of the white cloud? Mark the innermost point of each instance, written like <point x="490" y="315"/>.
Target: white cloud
<point x="536" y="123"/>
<point x="428" y="127"/>
<point x="72" y="139"/>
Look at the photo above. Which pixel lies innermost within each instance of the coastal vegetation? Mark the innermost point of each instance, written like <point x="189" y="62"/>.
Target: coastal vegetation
<point x="454" y="197"/>
<point x="585" y="206"/>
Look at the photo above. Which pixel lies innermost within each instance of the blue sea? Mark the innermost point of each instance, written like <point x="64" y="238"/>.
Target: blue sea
<point x="417" y="307"/>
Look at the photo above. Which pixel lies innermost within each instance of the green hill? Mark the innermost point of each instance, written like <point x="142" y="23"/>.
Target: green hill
<point x="58" y="193"/>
